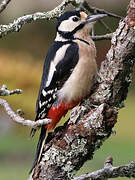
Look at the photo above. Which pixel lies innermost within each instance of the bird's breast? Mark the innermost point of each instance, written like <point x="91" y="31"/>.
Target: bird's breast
<point x="79" y="83"/>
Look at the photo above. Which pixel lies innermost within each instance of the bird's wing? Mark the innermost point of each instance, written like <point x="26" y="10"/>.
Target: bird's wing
<point x="60" y="62"/>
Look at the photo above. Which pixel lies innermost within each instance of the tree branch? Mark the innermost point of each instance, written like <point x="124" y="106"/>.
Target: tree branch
<point x="5" y="92"/>
<point x="91" y="123"/>
<point x="17" y="24"/>
<point x="4" y="4"/>
<point x="105" y="25"/>
<point x="16" y="118"/>
<point x="102" y="37"/>
<point x="96" y="10"/>
<point x="110" y="172"/>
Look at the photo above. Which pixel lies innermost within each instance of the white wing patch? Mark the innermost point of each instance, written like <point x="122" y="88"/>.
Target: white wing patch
<point x="58" y="57"/>
<point x="44" y="92"/>
<point x="51" y="72"/>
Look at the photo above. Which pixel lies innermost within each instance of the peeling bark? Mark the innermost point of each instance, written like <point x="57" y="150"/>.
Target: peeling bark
<point x="91" y="123"/>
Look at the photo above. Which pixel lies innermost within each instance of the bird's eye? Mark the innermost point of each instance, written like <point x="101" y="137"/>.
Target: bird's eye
<point x="75" y="19"/>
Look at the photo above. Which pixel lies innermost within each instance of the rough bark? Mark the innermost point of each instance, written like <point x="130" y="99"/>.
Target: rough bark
<point x="91" y="123"/>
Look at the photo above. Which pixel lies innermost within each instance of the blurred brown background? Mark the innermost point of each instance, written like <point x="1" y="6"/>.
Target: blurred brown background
<point x="21" y="59"/>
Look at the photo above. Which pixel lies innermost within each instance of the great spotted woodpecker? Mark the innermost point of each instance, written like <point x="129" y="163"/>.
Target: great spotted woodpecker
<point x="68" y="70"/>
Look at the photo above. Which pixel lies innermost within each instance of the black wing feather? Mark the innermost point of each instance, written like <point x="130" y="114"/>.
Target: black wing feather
<point x="65" y="66"/>
<point x="50" y="56"/>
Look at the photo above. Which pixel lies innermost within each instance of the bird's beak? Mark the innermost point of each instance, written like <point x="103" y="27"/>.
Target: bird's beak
<point x="91" y="18"/>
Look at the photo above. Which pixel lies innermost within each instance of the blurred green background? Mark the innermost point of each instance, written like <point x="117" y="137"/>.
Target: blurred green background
<point x="21" y="60"/>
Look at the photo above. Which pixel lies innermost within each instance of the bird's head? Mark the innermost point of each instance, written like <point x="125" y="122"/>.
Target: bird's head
<point x="73" y="21"/>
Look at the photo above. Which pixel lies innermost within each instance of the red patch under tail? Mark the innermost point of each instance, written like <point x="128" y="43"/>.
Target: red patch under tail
<point x="56" y="113"/>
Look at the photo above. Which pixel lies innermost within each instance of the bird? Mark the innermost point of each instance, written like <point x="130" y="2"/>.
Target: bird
<point x="68" y="71"/>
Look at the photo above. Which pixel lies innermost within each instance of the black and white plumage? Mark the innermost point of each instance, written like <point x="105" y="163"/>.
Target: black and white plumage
<point x="68" y="70"/>
<point x="59" y="64"/>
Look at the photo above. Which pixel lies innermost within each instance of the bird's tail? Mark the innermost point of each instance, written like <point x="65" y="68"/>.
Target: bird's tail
<point x="40" y="146"/>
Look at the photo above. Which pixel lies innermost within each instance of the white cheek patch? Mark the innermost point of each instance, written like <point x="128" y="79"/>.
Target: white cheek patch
<point x="68" y="25"/>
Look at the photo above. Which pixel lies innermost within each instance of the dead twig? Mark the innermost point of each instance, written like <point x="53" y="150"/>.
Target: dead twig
<point x="5" y="92"/>
<point x="16" y="118"/>
<point x="110" y="172"/>
<point x="102" y="37"/>
<point x="105" y="25"/>
<point x="95" y="10"/>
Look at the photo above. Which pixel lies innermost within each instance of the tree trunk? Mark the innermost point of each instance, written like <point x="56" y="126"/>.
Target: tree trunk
<point x="91" y="123"/>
